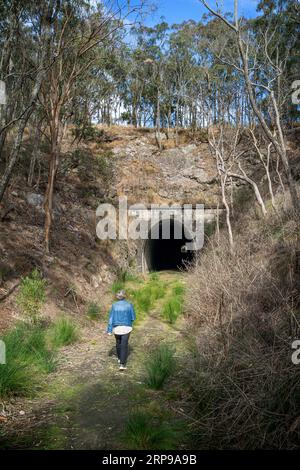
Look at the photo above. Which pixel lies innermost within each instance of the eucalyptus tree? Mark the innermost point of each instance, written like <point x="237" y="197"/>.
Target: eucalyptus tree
<point x="262" y="74"/>
<point x="38" y="17"/>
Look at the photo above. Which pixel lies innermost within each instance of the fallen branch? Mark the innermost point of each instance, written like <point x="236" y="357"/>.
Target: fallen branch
<point x="9" y="292"/>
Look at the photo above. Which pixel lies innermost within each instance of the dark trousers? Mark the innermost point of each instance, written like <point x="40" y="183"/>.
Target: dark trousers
<point x="122" y="347"/>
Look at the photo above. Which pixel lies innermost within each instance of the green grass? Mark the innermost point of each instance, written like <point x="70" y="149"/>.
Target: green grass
<point x="145" y="297"/>
<point x="157" y="291"/>
<point x="93" y="311"/>
<point x="154" y="276"/>
<point x="63" y="332"/>
<point x="172" y="309"/>
<point x="178" y="289"/>
<point x="27" y="359"/>
<point x="173" y="306"/>
<point x="160" y="365"/>
<point x="117" y="285"/>
<point x="142" y="298"/>
<point x="31" y="296"/>
<point x="145" y="432"/>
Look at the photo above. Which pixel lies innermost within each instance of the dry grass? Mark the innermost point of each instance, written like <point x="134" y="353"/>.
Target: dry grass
<point x="246" y="311"/>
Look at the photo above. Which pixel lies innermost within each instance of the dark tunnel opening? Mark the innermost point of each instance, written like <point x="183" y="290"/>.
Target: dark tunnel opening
<point x="167" y="254"/>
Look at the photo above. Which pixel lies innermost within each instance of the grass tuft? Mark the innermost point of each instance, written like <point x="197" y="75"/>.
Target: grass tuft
<point x="63" y="332"/>
<point x="93" y="311"/>
<point x="27" y="359"/>
<point x="117" y="285"/>
<point x="145" y="432"/>
<point x="160" y="366"/>
<point x="172" y="308"/>
<point x="32" y="296"/>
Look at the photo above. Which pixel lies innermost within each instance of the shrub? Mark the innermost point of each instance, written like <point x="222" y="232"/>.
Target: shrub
<point x="145" y="432"/>
<point x="93" y="311"/>
<point x="246" y="389"/>
<point x="88" y="133"/>
<point x="27" y="358"/>
<point x="105" y="165"/>
<point x="159" y="366"/>
<point x="63" y="332"/>
<point x="32" y="296"/>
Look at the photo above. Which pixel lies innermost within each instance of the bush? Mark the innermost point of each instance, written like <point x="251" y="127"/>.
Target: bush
<point x="27" y="358"/>
<point x="63" y="332"/>
<point x="88" y="133"/>
<point x="159" y="366"/>
<point x="32" y="296"/>
<point x="93" y="311"/>
<point x="145" y="432"/>
<point x="241" y="305"/>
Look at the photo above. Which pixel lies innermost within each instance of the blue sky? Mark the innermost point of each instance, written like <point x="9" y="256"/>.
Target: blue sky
<point x="176" y="11"/>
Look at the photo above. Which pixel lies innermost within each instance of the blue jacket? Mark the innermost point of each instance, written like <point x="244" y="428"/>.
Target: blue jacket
<point x="121" y="313"/>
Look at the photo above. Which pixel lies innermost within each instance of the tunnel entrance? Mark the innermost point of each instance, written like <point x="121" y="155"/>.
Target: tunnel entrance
<point x="167" y="254"/>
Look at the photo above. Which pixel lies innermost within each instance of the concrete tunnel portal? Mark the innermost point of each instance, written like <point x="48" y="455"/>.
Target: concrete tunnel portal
<point x="167" y="254"/>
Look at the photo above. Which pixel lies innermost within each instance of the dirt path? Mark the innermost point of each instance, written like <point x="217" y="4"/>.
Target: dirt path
<point x="88" y="401"/>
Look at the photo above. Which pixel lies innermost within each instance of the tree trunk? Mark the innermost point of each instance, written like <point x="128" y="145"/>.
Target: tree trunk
<point x="244" y="177"/>
<point x="35" y="151"/>
<point x="227" y="209"/>
<point x="158" y="137"/>
<point x="48" y="203"/>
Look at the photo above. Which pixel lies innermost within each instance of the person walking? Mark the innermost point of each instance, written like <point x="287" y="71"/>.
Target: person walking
<point x="121" y="317"/>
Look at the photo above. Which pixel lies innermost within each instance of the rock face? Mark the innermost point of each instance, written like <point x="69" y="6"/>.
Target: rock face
<point x="183" y="174"/>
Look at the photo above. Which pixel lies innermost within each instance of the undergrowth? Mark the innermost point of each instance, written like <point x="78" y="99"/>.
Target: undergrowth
<point x="245" y="308"/>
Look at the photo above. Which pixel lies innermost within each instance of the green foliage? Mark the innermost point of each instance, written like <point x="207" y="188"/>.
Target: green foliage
<point x="154" y="276"/>
<point x="145" y="432"/>
<point x="146" y="296"/>
<point x="105" y="164"/>
<point x="157" y="291"/>
<point x="32" y="296"/>
<point x="173" y="306"/>
<point x="159" y="366"/>
<point x="63" y="332"/>
<point x="88" y="133"/>
<point x="117" y="285"/>
<point x="27" y="359"/>
<point x="178" y="289"/>
<point x="142" y="298"/>
<point x="93" y="311"/>
<point x="172" y="309"/>
<point x="125" y="276"/>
